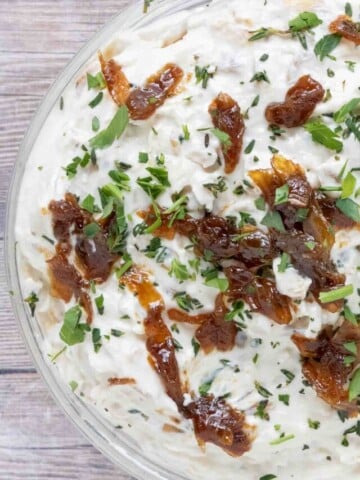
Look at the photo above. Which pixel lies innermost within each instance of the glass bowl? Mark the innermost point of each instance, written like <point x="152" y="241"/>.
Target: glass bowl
<point x="116" y="446"/>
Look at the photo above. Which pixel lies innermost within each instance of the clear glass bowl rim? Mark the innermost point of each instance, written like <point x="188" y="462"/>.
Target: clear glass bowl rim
<point x="114" y="446"/>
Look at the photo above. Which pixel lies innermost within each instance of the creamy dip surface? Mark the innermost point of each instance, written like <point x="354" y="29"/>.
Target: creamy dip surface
<point x="293" y="433"/>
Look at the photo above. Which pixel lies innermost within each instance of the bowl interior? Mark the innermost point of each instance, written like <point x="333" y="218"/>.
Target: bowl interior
<point x="118" y="447"/>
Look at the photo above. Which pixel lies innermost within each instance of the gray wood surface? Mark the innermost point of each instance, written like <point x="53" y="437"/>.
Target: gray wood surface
<point x="37" y="39"/>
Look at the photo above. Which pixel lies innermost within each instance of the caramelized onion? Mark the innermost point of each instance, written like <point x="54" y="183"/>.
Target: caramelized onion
<point x="299" y="104"/>
<point x="214" y="331"/>
<point x="226" y="116"/>
<point x="324" y="367"/>
<point x="144" y="101"/>
<point x="116" y="81"/>
<point x="344" y="26"/>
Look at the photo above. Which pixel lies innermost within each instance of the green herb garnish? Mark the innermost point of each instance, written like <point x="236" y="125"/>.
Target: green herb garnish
<point x="326" y="45"/>
<point x="115" y="129"/>
<point x="323" y="135"/>
<point x="336" y="294"/>
<point x="72" y="331"/>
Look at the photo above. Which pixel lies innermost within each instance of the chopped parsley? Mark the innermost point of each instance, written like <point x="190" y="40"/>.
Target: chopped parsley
<point x="223" y="137"/>
<point x="285" y="399"/>
<point x="326" y="45"/>
<point x="196" y="346"/>
<point x="349" y="208"/>
<point x="95" y="102"/>
<point x="323" y="135"/>
<point x="273" y="220"/>
<point x="336" y="294"/>
<point x="218" y="187"/>
<point x="281" y="195"/>
<point x="285" y="262"/>
<point x="354" y="387"/>
<point x="72" y="331"/>
<point x="96" y="81"/>
<point x="262" y="390"/>
<point x="91" y="230"/>
<point x="96" y="339"/>
<point x="314" y="424"/>
<point x="203" y="74"/>
<point x="221" y="284"/>
<point x="114" y="130"/>
<point x="32" y="300"/>
<point x="99" y="302"/>
<point x="143" y="157"/>
<point x="186" y="302"/>
<point x="260" y="77"/>
<point x="179" y="271"/>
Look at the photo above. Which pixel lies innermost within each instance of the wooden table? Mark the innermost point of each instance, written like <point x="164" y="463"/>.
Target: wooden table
<point x="37" y="39"/>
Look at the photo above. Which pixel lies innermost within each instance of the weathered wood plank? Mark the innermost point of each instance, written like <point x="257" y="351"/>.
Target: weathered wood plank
<point x="37" y="39"/>
<point x="40" y="443"/>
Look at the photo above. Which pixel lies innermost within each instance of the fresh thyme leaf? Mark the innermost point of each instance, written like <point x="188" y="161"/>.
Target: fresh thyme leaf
<point x="203" y="75"/>
<point x="186" y="302"/>
<point x="216" y="188"/>
<point x="326" y="45"/>
<point x="115" y="129"/>
<point x="345" y="110"/>
<point x="289" y="375"/>
<point x="262" y="390"/>
<point x="323" y="135"/>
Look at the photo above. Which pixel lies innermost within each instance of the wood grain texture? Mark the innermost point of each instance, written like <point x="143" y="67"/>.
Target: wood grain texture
<point x="37" y="39"/>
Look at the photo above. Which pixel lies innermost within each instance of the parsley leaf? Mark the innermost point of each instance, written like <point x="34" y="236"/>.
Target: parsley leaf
<point x="179" y="270"/>
<point x="323" y="135"/>
<point x="326" y="45"/>
<point x="72" y="331"/>
<point x="346" y="109"/>
<point x="354" y="387"/>
<point x="273" y="220"/>
<point x="349" y="208"/>
<point x="304" y="21"/>
<point x="32" y="300"/>
<point x="115" y="129"/>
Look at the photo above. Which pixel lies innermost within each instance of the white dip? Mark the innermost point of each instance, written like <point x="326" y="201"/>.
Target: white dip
<point x="214" y="37"/>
